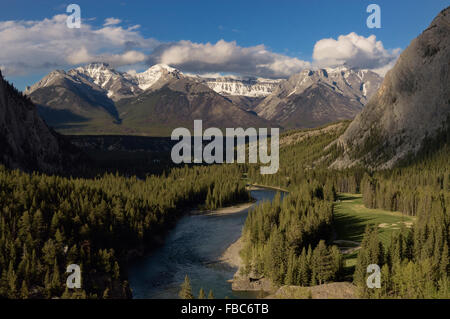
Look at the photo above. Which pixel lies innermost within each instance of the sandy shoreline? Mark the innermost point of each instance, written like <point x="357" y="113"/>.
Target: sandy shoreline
<point x="231" y="254"/>
<point x="241" y="282"/>
<point x="253" y="187"/>
<point x="223" y="211"/>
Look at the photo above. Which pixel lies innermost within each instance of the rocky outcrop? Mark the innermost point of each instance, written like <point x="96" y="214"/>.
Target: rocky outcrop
<point x="412" y="103"/>
<point x="25" y="140"/>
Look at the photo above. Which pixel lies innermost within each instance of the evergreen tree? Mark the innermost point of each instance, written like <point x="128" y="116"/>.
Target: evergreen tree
<point x="186" y="289"/>
<point x="201" y="294"/>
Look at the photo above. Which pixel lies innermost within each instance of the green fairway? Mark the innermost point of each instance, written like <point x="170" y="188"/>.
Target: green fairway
<point x="351" y="218"/>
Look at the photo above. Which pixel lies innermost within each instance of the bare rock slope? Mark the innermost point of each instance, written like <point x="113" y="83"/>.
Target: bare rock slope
<point x="412" y="103"/>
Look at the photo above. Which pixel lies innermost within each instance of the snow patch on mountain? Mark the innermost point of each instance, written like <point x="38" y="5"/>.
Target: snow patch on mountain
<point x="249" y="87"/>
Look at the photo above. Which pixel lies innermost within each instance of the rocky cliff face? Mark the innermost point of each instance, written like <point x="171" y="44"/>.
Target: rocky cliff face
<point x="248" y="87"/>
<point x="315" y="97"/>
<point x="25" y="140"/>
<point x="413" y="102"/>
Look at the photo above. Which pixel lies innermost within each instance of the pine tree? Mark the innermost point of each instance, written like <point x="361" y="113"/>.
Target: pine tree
<point x="322" y="263"/>
<point x="186" y="289"/>
<point x="303" y="270"/>
<point x="24" y="290"/>
<point x="56" y="283"/>
<point x="444" y="264"/>
<point x="201" y="294"/>
<point x="210" y="294"/>
<point x="12" y="281"/>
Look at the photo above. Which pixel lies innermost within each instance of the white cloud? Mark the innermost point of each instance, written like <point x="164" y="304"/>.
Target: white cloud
<point x="385" y="68"/>
<point x="355" y="51"/>
<point x="29" y="46"/>
<point x="226" y="56"/>
<point x="111" y="21"/>
<point x="82" y="56"/>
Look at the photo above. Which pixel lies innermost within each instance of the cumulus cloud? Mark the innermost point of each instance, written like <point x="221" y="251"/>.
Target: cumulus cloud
<point x="29" y="46"/>
<point x="83" y="56"/>
<point x="355" y="51"/>
<point x="228" y="57"/>
<point x="40" y="45"/>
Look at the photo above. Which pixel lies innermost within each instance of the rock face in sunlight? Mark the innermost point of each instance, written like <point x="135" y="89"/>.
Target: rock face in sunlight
<point x="412" y="103"/>
<point x="316" y="97"/>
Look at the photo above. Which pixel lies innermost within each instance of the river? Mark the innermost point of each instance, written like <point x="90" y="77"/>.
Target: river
<point x="193" y="247"/>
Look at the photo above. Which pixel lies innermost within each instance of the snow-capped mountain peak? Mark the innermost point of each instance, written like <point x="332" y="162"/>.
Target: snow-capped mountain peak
<point x="115" y="84"/>
<point x="148" y="78"/>
<point x="99" y="73"/>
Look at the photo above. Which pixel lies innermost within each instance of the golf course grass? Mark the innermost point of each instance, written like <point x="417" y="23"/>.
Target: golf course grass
<point x="351" y="218"/>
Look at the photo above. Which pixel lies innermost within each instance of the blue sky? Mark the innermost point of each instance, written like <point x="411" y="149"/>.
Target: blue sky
<point x="287" y="28"/>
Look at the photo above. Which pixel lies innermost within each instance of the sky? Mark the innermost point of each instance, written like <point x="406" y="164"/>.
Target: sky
<point x="272" y="39"/>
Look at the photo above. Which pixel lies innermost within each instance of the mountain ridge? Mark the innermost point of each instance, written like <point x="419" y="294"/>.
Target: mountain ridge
<point x="316" y="97"/>
<point x="96" y="99"/>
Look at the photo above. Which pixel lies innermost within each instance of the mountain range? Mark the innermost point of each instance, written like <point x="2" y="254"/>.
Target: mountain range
<point x="97" y="99"/>
<point x="411" y="106"/>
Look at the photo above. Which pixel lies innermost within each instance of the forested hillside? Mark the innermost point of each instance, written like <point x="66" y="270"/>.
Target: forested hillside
<point x="416" y="262"/>
<point x="49" y="222"/>
<point x="284" y="240"/>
